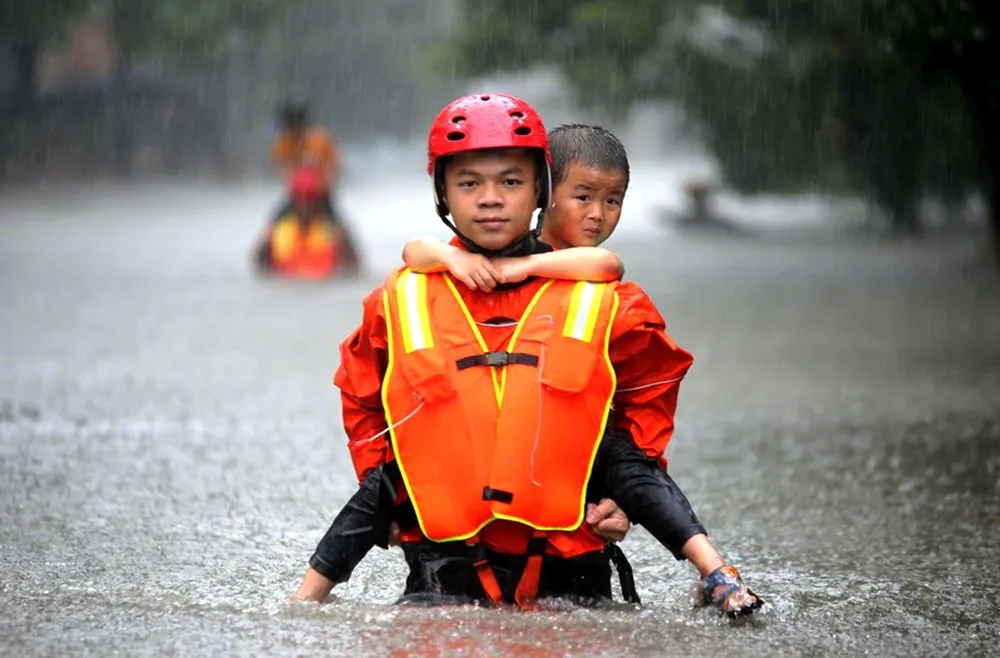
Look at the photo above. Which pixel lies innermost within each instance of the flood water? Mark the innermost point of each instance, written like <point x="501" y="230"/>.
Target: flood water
<point x="170" y="446"/>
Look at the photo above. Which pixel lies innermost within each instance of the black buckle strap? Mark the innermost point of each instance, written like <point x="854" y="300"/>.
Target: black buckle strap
<point x="497" y="360"/>
<point x="477" y="554"/>
<point x="625" y="577"/>
<point x="499" y="495"/>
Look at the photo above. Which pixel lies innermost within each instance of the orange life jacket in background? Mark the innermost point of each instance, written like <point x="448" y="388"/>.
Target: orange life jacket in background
<point x="482" y="435"/>
<point x="307" y="251"/>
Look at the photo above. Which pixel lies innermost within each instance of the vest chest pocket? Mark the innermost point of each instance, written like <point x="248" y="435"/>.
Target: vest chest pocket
<point x="568" y="365"/>
<point x="426" y="371"/>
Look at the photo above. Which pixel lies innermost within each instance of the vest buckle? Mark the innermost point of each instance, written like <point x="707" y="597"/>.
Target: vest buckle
<point x="497" y="359"/>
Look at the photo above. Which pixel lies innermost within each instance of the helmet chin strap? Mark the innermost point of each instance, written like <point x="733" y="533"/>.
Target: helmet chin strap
<point x="522" y="246"/>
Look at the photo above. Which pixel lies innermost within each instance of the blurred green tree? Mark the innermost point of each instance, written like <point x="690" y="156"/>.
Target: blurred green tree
<point x="891" y="98"/>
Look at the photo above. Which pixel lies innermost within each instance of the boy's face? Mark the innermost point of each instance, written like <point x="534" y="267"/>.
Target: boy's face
<point x="491" y="195"/>
<point x="586" y="207"/>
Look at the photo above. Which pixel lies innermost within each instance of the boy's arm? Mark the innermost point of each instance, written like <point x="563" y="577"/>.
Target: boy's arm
<point x="649" y="366"/>
<point x="474" y="270"/>
<point x="427" y="255"/>
<point x="577" y="264"/>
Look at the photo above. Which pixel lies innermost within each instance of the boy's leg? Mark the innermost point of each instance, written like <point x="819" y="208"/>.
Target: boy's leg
<point x="362" y="523"/>
<point x="651" y="498"/>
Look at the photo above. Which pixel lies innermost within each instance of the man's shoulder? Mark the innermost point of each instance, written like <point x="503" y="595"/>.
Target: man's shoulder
<point x="393" y="276"/>
<point x="635" y="306"/>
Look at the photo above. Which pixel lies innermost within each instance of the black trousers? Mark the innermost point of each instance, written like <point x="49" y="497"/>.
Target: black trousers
<point x="646" y="493"/>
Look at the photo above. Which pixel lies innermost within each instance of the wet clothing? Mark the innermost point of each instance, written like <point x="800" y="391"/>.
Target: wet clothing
<point x="649" y="368"/>
<point x="648" y="364"/>
<point x="530" y="414"/>
<point x="314" y="148"/>
<point x="442" y="570"/>
<point x="646" y="493"/>
<point x="348" y="251"/>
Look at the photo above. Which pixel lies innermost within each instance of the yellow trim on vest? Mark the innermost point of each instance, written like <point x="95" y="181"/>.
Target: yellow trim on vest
<point x="584" y="305"/>
<point x="411" y="297"/>
<point x="499" y="379"/>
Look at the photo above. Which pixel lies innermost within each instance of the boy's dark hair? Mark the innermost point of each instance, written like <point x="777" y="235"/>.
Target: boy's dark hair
<point x="591" y="146"/>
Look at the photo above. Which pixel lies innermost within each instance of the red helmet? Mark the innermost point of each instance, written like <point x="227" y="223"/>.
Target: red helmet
<point x="487" y="121"/>
<point x="307" y="183"/>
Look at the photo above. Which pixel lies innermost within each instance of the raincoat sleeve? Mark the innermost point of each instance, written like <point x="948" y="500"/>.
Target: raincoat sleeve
<point x="363" y="362"/>
<point x="649" y="366"/>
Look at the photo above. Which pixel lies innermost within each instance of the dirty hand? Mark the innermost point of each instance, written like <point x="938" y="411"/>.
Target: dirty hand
<point x="607" y="520"/>
<point x="474" y="270"/>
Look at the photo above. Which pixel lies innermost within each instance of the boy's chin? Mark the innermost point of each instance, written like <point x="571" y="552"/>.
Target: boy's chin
<point x="585" y="240"/>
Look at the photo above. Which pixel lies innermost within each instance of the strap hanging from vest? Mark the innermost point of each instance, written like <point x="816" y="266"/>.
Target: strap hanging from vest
<point x="527" y="587"/>
<point x="497" y="359"/>
<point x="625" y="577"/>
<point x="488" y="579"/>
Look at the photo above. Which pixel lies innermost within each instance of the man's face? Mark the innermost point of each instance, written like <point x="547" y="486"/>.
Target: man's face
<point x="491" y="195"/>
<point x="586" y="207"/>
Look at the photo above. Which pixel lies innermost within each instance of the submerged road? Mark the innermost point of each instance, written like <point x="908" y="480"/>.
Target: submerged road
<point x="170" y="448"/>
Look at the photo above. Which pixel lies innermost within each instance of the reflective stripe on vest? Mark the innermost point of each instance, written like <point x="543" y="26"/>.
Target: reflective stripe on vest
<point x="411" y="296"/>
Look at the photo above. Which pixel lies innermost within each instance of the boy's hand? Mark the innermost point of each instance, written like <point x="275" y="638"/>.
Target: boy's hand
<point x="513" y="270"/>
<point x="474" y="270"/>
<point x="607" y="520"/>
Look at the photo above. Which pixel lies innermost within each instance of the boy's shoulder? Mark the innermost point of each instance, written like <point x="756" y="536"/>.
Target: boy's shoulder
<point x="635" y="308"/>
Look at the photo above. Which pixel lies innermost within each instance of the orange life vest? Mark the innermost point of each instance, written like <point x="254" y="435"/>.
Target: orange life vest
<point x="303" y="251"/>
<point x="482" y="435"/>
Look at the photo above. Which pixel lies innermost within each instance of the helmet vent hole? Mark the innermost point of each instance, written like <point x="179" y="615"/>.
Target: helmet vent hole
<point x="456" y="136"/>
<point x="484" y="97"/>
<point x="517" y="115"/>
<point x="522" y="130"/>
<point x="458" y="120"/>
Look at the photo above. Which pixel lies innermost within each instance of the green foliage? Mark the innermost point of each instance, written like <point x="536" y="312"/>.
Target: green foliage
<point x="847" y="94"/>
